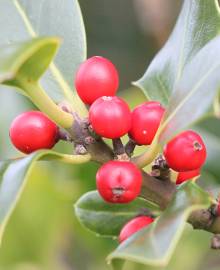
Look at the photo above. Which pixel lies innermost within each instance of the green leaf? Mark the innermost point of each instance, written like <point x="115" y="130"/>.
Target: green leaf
<point x="107" y="219"/>
<point x="14" y="175"/>
<point x="21" y="66"/>
<point x="212" y="143"/>
<point x="155" y="244"/>
<point x="117" y="264"/>
<point x="198" y="23"/>
<point x="22" y="19"/>
<point x="195" y="91"/>
<point x="28" y="60"/>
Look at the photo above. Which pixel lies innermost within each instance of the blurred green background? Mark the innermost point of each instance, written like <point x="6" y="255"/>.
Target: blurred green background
<point x="43" y="233"/>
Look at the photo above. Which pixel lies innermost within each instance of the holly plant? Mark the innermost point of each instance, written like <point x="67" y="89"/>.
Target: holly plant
<point x="142" y="200"/>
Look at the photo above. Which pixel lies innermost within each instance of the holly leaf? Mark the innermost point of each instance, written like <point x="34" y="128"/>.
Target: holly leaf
<point x="22" y="65"/>
<point x="198" y="23"/>
<point x="195" y="91"/>
<point x="23" y="19"/>
<point x="106" y="219"/>
<point x="212" y="143"/>
<point x="14" y="175"/>
<point x="155" y="244"/>
<point x="27" y="60"/>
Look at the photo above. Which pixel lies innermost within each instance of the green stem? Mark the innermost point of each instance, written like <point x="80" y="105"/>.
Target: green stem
<point x="72" y="159"/>
<point x="46" y="104"/>
<point x="75" y="101"/>
<point x="216" y="105"/>
<point x="147" y="157"/>
<point x="76" y="159"/>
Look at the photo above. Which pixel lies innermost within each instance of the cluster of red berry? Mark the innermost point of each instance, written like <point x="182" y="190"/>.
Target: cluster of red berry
<point x="110" y="117"/>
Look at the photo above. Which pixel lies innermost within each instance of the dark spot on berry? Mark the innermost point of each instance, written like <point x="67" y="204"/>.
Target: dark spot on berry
<point x="197" y="146"/>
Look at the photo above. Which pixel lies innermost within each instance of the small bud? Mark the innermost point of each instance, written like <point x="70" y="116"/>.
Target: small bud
<point x="215" y="242"/>
<point x="80" y="149"/>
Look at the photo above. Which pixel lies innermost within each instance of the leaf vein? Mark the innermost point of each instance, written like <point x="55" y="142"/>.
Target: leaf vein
<point x="163" y="88"/>
<point x="181" y="55"/>
<point x="170" y="117"/>
<point x="55" y="71"/>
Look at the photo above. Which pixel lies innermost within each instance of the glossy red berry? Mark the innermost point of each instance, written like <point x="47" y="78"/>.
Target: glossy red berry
<point x="185" y="152"/>
<point x="95" y="78"/>
<point x="119" y="181"/>
<point x="184" y="176"/>
<point x="110" y="117"/>
<point x="133" y="226"/>
<point x="145" y="120"/>
<point x="32" y="131"/>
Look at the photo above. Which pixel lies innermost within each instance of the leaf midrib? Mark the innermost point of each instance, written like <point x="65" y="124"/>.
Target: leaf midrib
<point x="107" y="212"/>
<point x="55" y="71"/>
<point x="181" y="55"/>
<point x="200" y="82"/>
<point x="163" y="87"/>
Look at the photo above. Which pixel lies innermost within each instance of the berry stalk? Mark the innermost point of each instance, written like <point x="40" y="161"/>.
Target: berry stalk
<point x="46" y="105"/>
<point x="149" y="156"/>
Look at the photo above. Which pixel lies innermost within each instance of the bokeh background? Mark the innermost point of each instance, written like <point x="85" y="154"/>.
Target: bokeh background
<point x="43" y="233"/>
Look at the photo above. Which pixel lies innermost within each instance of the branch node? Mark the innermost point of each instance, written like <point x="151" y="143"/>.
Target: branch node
<point x="80" y="149"/>
<point x="215" y="242"/>
<point x="201" y="219"/>
<point x="89" y="140"/>
<point x="123" y="157"/>
<point x="213" y="210"/>
<point x="85" y="120"/>
<point x="160" y="169"/>
<point x="89" y="143"/>
<point x="91" y="130"/>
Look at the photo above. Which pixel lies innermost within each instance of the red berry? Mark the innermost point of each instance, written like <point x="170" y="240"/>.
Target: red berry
<point x="119" y="181"/>
<point x="110" y="117"/>
<point x="32" y="131"/>
<point x="95" y="78"/>
<point x="184" y="176"/>
<point x="185" y="152"/>
<point x="133" y="226"/>
<point x="145" y="120"/>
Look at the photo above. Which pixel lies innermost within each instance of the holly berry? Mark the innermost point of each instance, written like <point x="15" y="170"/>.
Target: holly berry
<point x="32" y="131"/>
<point x="186" y="152"/>
<point x="145" y="120"/>
<point x="95" y="78"/>
<point x="184" y="176"/>
<point x="110" y="117"/>
<point x="133" y="226"/>
<point x="119" y="181"/>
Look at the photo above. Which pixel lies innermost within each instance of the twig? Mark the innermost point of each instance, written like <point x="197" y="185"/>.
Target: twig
<point x="160" y="169"/>
<point x="215" y="242"/>
<point x="118" y="147"/>
<point x="129" y="147"/>
<point x="155" y="190"/>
